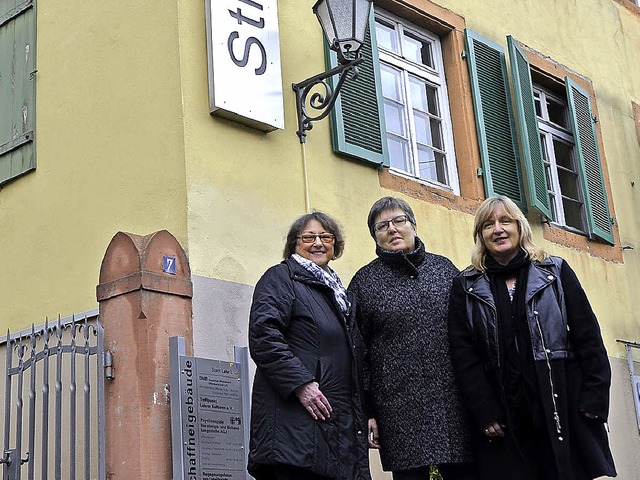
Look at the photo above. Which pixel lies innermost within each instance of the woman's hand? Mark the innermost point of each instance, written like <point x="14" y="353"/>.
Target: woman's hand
<point x="374" y="439"/>
<point x="314" y="401"/>
<point x="494" y="429"/>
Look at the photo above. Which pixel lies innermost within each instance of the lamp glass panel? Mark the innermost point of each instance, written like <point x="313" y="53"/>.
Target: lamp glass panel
<point x="343" y="17"/>
<point x="321" y="9"/>
<point x="362" y="8"/>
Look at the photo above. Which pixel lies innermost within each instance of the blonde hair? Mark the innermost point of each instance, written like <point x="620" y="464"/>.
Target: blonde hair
<point x="484" y="212"/>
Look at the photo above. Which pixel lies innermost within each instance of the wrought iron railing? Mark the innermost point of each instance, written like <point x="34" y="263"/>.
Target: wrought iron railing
<point x="54" y="401"/>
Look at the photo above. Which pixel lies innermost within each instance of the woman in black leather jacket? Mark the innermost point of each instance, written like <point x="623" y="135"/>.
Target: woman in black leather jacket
<point x="528" y="356"/>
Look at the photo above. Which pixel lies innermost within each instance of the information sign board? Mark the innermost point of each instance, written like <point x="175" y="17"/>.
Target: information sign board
<point x="210" y="431"/>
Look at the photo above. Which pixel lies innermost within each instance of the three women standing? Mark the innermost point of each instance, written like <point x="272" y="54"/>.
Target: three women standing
<point x="528" y="356"/>
<point x="306" y="415"/>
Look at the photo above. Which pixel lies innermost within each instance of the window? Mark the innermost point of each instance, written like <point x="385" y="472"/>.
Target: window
<point x="17" y="88"/>
<point x="551" y="161"/>
<point x="416" y="113"/>
<point x="561" y="166"/>
<point x="397" y="113"/>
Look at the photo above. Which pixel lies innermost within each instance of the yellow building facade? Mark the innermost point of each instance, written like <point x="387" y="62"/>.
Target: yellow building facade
<point x="124" y="141"/>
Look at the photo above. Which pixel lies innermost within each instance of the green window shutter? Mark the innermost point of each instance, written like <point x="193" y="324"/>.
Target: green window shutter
<point x="17" y="89"/>
<point x="494" y="118"/>
<point x="528" y="129"/>
<point x="357" y="120"/>
<point x="587" y="152"/>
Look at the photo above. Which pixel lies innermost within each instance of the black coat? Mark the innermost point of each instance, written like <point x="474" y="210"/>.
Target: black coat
<point x="558" y="314"/>
<point x="297" y="334"/>
<point x="410" y="388"/>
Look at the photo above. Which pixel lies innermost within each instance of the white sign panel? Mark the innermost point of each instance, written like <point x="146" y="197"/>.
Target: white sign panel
<point x="243" y="46"/>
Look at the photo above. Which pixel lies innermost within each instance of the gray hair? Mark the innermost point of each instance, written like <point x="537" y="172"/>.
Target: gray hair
<point x="388" y="203"/>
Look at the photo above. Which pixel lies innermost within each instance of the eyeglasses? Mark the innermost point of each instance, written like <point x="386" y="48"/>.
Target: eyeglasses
<point x="311" y="238"/>
<point x="398" y="221"/>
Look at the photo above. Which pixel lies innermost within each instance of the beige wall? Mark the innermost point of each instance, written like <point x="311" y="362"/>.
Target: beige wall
<point x="125" y="142"/>
<point x="109" y="147"/>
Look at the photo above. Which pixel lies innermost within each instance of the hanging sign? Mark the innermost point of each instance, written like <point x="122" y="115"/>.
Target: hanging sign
<point x="243" y="48"/>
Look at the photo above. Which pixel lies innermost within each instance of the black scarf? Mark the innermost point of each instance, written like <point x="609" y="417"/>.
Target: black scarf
<point x="518" y="369"/>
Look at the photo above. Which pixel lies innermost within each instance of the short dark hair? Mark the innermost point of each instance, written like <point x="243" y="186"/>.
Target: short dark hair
<point x="388" y="203"/>
<point x="326" y="221"/>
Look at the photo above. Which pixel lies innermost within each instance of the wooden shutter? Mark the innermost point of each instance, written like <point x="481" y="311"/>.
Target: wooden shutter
<point x="529" y="133"/>
<point x="494" y="118"/>
<point x="357" y="120"/>
<point x="17" y="89"/>
<point x="588" y="155"/>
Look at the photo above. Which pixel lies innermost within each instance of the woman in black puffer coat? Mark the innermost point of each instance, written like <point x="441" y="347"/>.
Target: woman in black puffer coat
<point x="306" y="415"/>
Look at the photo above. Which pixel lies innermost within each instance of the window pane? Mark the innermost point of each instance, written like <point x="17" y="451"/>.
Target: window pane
<point x="563" y="154"/>
<point x="417" y="50"/>
<point x="424" y="96"/>
<point x="398" y="153"/>
<point x="391" y="86"/>
<point x="573" y="214"/>
<point x="432" y="165"/>
<point x="387" y="36"/>
<point x="436" y="133"/>
<point x="432" y="97"/>
<point x="554" y="209"/>
<point x="568" y="184"/>
<point x="428" y="130"/>
<point x="418" y="94"/>
<point x="423" y="132"/>
<point x="536" y="100"/>
<point x="394" y="118"/>
<point x="557" y="112"/>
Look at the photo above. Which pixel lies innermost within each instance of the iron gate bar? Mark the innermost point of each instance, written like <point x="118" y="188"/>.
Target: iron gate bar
<point x="25" y="346"/>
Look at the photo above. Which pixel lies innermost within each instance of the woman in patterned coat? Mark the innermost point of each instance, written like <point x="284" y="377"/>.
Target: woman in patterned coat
<point x="415" y="414"/>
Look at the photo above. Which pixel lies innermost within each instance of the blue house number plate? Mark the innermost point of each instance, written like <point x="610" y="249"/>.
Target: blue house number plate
<point x="169" y="265"/>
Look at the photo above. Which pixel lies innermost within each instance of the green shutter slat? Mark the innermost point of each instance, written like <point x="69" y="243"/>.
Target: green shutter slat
<point x="529" y="134"/>
<point x="17" y="90"/>
<point x="494" y="118"/>
<point x="588" y="154"/>
<point x="357" y="122"/>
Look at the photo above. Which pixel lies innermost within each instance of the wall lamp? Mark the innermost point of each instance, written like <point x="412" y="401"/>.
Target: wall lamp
<point x="344" y="24"/>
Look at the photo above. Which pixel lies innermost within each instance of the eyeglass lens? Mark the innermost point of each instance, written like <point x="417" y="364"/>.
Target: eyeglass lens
<point x="324" y="238"/>
<point x="384" y="225"/>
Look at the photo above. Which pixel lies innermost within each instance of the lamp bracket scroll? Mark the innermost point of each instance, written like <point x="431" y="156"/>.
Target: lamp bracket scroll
<point x="321" y="101"/>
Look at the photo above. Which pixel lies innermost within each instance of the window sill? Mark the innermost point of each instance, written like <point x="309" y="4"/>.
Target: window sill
<point x="421" y="191"/>
<point x="560" y="236"/>
<point x="551" y="233"/>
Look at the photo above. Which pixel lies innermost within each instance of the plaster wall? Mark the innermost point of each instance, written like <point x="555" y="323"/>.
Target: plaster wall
<point x="244" y="187"/>
<point x="110" y="152"/>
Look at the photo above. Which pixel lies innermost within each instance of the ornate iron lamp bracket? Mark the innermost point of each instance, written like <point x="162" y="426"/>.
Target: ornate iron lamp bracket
<point x="320" y="101"/>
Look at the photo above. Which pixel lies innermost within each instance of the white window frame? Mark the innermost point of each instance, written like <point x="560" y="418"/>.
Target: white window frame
<point x="434" y="77"/>
<point x="549" y="132"/>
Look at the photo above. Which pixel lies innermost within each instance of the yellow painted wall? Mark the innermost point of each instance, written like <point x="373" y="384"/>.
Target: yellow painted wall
<point x="110" y="152"/>
<point x="245" y="187"/>
<point x="125" y="142"/>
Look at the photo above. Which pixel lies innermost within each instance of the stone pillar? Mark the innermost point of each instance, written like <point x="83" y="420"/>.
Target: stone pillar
<point x="145" y="295"/>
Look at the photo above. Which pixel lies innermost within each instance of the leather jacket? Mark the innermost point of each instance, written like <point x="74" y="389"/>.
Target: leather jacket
<point x="545" y="311"/>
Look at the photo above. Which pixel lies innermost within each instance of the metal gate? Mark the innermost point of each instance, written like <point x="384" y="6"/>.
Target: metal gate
<point x="54" y="401"/>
